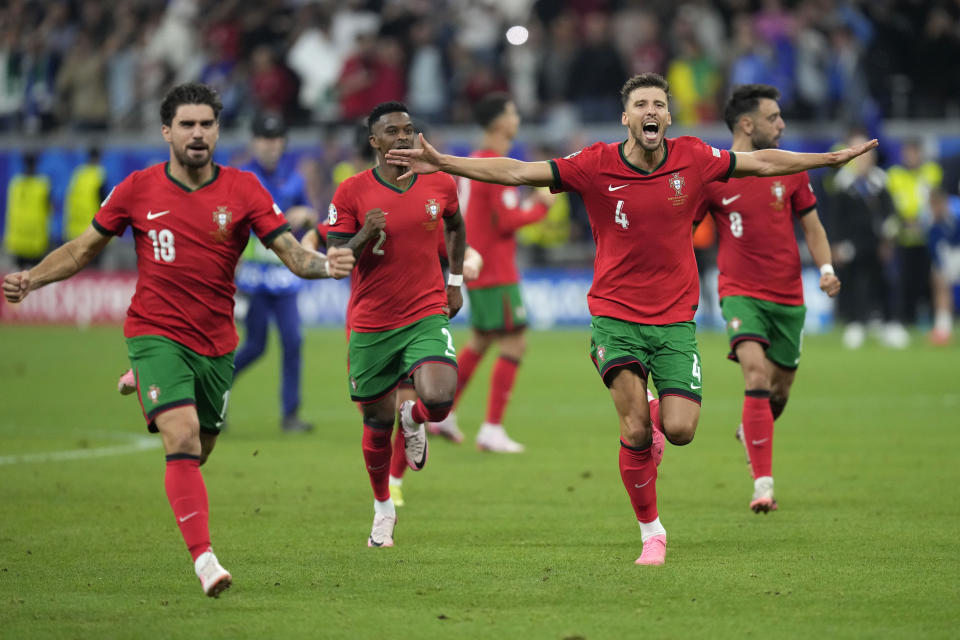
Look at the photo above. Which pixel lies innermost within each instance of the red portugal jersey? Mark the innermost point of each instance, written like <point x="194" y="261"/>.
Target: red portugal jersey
<point x="188" y="244"/>
<point x="398" y="279"/>
<point x="757" y="247"/>
<point x="494" y="213"/>
<point x="645" y="270"/>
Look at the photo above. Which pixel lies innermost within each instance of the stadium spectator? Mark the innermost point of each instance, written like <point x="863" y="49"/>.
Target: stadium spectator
<point x="192" y="219"/>
<point x="26" y="235"/>
<point x="760" y="283"/>
<point x="81" y="86"/>
<point x="910" y="184"/>
<point x="271" y="288"/>
<point x="494" y="213"/>
<point x="272" y="88"/>
<point x="370" y="76"/>
<point x="944" y="245"/>
<point x="859" y="208"/>
<point x="314" y="43"/>
<point x="399" y="306"/>
<point x="639" y="193"/>
<point x="87" y="189"/>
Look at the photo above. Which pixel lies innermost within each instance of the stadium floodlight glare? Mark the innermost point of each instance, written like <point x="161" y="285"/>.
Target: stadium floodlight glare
<point x="517" y="35"/>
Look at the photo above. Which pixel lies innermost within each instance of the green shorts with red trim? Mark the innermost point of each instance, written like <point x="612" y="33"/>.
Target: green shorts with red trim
<point x="778" y="327"/>
<point x="666" y="352"/>
<point x="498" y="308"/>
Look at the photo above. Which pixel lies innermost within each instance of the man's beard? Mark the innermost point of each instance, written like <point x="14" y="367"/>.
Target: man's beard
<point x="184" y="158"/>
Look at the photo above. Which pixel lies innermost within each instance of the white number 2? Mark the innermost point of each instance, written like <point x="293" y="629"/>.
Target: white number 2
<point x="450" y="352"/>
<point x="736" y="224"/>
<point x="376" y="248"/>
<point x="163" y="248"/>
<point x="619" y="217"/>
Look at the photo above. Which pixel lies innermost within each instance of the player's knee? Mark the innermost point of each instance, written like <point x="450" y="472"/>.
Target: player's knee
<point x="755" y="377"/>
<point x="778" y="402"/>
<point x="637" y="430"/>
<point x="680" y="432"/>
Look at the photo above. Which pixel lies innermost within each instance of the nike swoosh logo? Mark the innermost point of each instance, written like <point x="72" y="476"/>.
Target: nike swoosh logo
<point x="641" y="486"/>
<point x="727" y="201"/>
<point x="153" y="216"/>
<point x="610" y="187"/>
<point x="757" y="443"/>
<point x="188" y="516"/>
<point x="696" y="386"/>
<point x="377" y="468"/>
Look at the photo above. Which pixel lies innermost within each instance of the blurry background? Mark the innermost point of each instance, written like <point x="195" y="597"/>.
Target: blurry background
<point x="81" y="83"/>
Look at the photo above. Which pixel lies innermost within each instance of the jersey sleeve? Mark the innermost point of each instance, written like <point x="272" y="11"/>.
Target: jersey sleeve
<point x="803" y="199"/>
<point x="343" y="218"/>
<point x="266" y="217"/>
<point x="714" y="163"/>
<point x="575" y="171"/>
<point x="114" y="215"/>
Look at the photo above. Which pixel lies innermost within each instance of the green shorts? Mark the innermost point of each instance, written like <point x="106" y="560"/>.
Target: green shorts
<point x="379" y="361"/>
<point x="778" y="327"/>
<point x="668" y="352"/>
<point x="497" y="308"/>
<point x="170" y="375"/>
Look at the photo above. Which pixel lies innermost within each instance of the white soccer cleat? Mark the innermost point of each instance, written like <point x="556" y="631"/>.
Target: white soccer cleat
<point x="127" y="383"/>
<point x="415" y="446"/>
<point x="381" y="535"/>
<point x="447" y="428"/>
<point x="763" y="501"/>
<point x="494" y="438"/>
<point x="214" y="578"/>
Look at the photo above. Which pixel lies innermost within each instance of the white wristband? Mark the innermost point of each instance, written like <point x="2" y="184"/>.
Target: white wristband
<point x="827" y="270"/>
<point x="455" y="280"/>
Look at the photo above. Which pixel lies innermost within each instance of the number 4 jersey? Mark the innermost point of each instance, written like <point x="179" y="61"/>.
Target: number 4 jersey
<point x="398" y="279"/>
<point x="188" y="244"/>
<point x="757" y="251"/>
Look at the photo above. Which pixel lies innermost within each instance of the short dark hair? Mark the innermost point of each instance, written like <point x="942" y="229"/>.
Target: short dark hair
<point x="384" y="108"/>
<point x="189" y="93"/>
<point x="490" y="107"/>
<point x="745" y="99"/>
<point x="640" y="81"/>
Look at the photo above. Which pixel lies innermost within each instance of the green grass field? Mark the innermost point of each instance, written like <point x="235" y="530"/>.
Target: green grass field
<point x="539" y="545"/>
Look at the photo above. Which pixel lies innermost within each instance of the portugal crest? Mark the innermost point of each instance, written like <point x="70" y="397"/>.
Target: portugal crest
<point x="154" y="393"/>
<point x="433" y="209"/>
<point x="222" y="218"/>
<point x="677" y="182"/>
<point x="601" y="353"/>
<point x="778" y="192"/>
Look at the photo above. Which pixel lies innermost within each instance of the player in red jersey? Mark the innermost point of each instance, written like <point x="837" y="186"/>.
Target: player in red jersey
<point x="191" y="220"/>
<point x="760" y="285"/>
<point x="399" y="308"/>
<point x="494" y="213"/>
<point x="641" y="196"/>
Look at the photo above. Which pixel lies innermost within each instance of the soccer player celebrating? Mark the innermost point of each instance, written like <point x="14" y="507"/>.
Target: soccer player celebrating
<point x="191" y="219"/>
<point x="760" y="286"/>
<point x="399" y="308"/>
<point x="641" y="196"/>
<point x="494" y="213"/>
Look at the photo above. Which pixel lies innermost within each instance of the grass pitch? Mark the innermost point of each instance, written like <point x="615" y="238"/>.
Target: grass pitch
<point x="539" y="545"/>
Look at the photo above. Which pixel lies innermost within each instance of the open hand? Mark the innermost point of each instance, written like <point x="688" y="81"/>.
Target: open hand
<point x="843" y="156"/>
<point x="424" y="159"/>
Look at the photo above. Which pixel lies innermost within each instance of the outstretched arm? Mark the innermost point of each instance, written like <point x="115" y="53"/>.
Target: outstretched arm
<point x="819" y="248"/>
<point x="60" y="264"/>
<point x="426" y="159"/>
<point x="309" y="264"/>
<point x="776" y="162"/>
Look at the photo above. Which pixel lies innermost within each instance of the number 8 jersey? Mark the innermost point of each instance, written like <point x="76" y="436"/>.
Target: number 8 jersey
<point x="398" y="279"/>
<point x="188" y="244"/>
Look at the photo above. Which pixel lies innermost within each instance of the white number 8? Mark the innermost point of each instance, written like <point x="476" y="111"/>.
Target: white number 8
<point x="736" y="224"/>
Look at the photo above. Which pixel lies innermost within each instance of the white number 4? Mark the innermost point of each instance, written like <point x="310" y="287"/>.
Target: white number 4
<point x="619" y="217"/>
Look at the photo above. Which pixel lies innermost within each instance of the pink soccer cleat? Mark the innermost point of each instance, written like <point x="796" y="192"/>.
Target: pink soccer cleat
<point x="381" y="535"/>
<point x="213" y="578"/>
<point x="763" y="501"/>
<point x="127" y="383"/>
<point x="654" y="551"/>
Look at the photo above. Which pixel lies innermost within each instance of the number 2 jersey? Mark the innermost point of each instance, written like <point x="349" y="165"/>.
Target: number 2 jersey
<point x="397" y="279"/>
<point x="188" y="243"/>
<point x="645" y="270"/>
<point x="757" y="252"/>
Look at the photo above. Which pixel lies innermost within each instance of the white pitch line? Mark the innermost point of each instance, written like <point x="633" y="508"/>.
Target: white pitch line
<point x="140" y="443"/>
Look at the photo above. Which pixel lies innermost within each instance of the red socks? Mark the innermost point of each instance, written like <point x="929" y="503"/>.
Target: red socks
<point x="639" y="474"/>
<point x="501" y="384"/>
<point x="188" y="498"/>
<point x="398" y="462"/>
<point x="376" y="455"/>
<point x="467" y="361"/>
<point x="430" y="413"/>
<point x="758" y="431"/>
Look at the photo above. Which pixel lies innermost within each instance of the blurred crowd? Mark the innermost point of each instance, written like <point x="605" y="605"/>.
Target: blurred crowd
<point x="95" y="65"/>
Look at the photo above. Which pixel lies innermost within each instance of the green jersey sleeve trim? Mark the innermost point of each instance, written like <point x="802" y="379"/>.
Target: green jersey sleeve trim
<point x="268" y="239"/>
